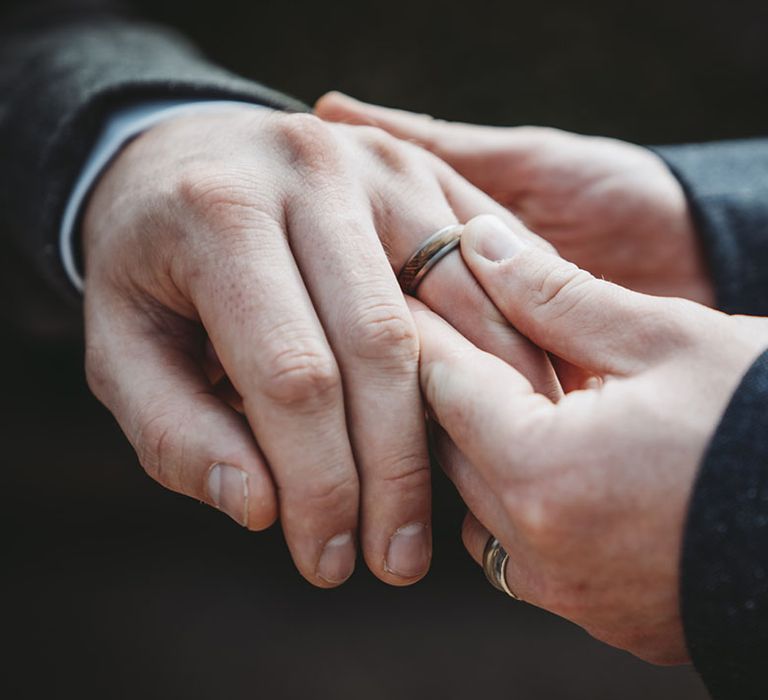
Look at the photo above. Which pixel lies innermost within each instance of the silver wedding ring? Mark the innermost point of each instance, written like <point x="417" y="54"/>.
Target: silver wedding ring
<point x="429" y="253"/>
<point x="495" y="560"/>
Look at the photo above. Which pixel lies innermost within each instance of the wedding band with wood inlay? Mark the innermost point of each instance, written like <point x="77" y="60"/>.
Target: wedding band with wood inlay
<point x="429" y="253"/>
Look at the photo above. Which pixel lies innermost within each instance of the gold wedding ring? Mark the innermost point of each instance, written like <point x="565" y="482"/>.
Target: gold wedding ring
<point x="495" y="560"/>
<point x="429" y="253"/>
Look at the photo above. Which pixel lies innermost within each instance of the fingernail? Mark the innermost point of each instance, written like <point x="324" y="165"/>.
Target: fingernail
<point x="493" y="240"/>
<point x="408" y="554"/>
<point x="337" y="562"/>
<point x="228" y="489"/>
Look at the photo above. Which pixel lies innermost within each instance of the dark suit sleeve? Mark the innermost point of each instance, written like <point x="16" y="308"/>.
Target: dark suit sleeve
<point x="724" y="585"/>
<point x="727" y="187"/>
<point x="64" y="66"/>
<point x="724" y="563"/>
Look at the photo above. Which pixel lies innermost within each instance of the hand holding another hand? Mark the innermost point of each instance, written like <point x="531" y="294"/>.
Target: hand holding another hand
<point x="587" y="494"/>
<point x="273" y="237"/>
<point x="265" y="233"/>
<point x="611" y="207"/>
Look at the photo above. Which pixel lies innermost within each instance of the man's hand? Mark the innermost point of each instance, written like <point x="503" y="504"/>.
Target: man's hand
<point x="264" y="234"/>
<point x="611" y="207"/>
<point x="588" y="495"/>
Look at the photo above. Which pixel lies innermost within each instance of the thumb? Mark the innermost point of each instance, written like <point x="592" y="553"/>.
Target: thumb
<point x="586" y="321"/>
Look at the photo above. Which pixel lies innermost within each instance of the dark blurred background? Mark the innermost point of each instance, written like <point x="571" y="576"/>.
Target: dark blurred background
<point x="115" y="588"/>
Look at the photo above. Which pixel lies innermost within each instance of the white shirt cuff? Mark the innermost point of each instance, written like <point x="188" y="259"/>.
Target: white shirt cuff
<point x="122" y="126"/>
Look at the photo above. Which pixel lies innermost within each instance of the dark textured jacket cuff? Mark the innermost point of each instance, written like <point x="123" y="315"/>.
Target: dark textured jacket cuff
<point x="724" y="584"/>
<point x="727" y="186"/>
<point x="76" y="74"/>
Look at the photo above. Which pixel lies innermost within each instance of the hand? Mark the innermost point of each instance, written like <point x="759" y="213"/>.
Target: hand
<point x="587" y="495"/>
<point x="611" y="207"/>
<point x="260" y="232"/>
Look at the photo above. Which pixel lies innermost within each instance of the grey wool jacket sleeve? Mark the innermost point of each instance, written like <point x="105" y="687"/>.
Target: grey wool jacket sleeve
<point x="724" y="562"/>
<point x="727" y="187"/>
<point x="64" y="67"/>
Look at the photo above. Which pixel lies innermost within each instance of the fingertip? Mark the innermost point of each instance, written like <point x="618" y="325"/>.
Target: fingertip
<point x="418" y="128"/>
<point x="402" y="578"/>
<point x="399" y="581"/>
<point x="245" y="494"/>
<point x="409" y="554"/>
<point x="337" y="560"/>
<point x="337" y="106"/>
<point x="336" y="96"/>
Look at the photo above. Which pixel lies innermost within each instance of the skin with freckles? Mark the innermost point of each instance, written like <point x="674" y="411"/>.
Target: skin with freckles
<point x="245" y="326"/>
<point x="611" y="207"/>
<point x="587" y="493"/>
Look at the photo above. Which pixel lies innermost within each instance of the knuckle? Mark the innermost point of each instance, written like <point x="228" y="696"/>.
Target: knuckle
<point x="309" y="141"/>
<point x="301" y="377"/>
<point x="551" y="521"/>
<point x="390" y="152"/>
<point x="408" y="473"/>
<point x="203" y="189"/>
<point x="557" y="282"/>
<point x="331" y="491"/>
<point x="159" y="443"/>
<point x="560" y="288"/>
<point x="538" y="516"/>
<point x="533" y="517"/>
<point x="221" y="209"/>
<point x="384" y="332"/>
<point x="222" y="197"/>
